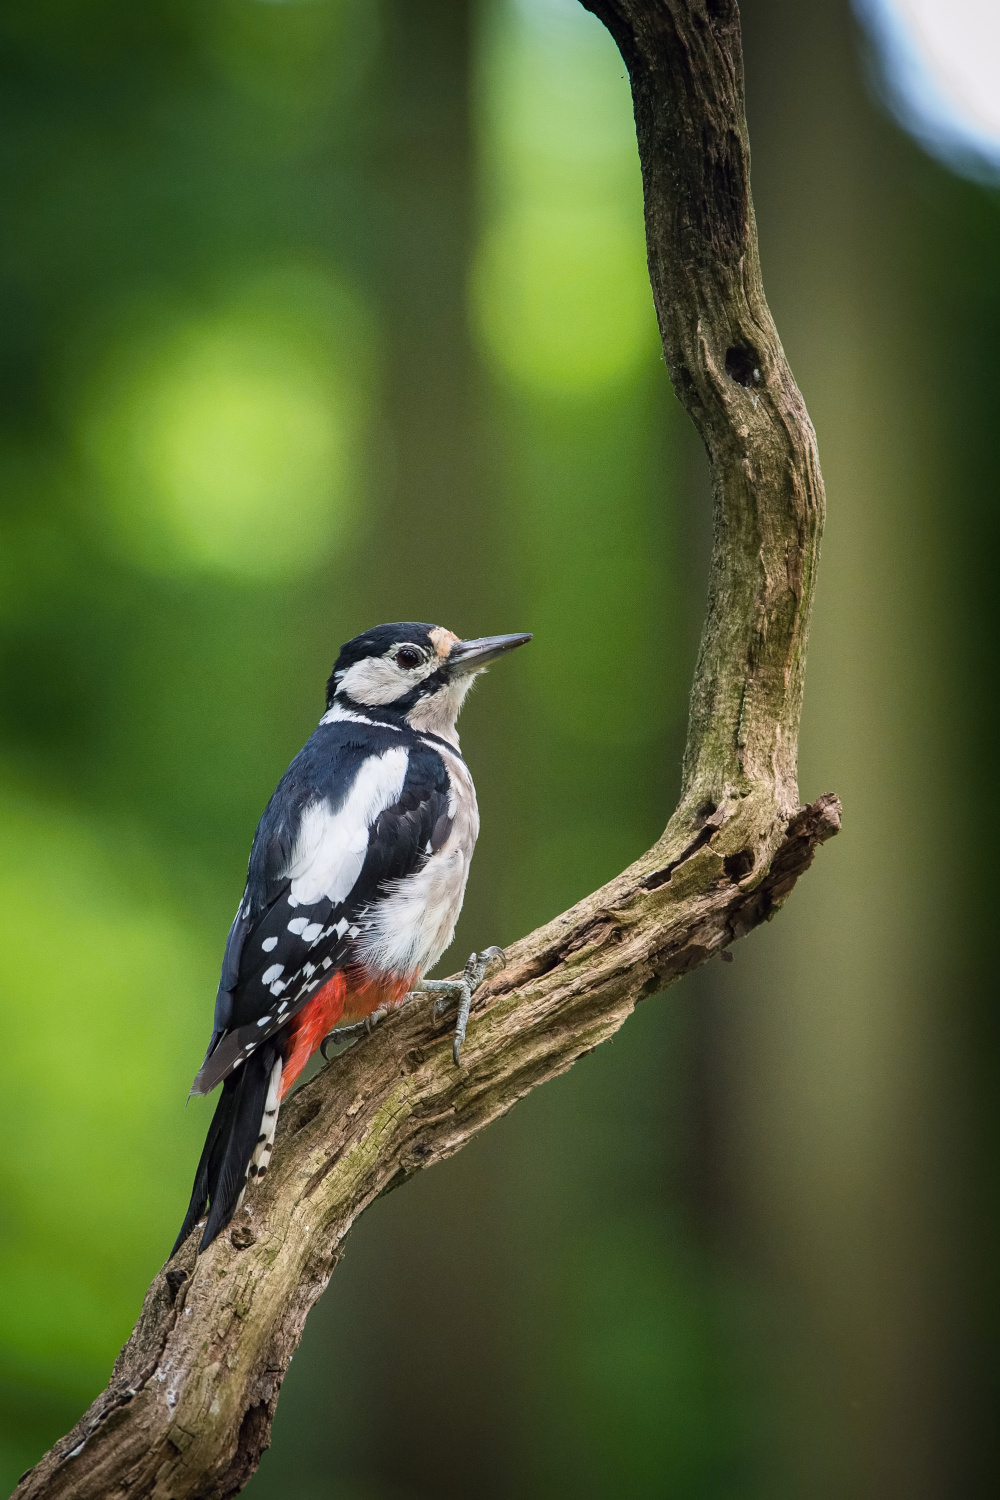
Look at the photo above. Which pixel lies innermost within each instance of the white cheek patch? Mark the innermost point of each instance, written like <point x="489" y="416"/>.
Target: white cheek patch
<point x="377" y="680"/>
<point x="331" y="847"/>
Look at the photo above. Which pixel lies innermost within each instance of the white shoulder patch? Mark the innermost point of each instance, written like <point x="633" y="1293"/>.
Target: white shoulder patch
<point x="330" y="849"/>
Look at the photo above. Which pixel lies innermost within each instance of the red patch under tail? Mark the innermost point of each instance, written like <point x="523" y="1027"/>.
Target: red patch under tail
<point x="349" y="994"/>
<point x="310" y="1026"/>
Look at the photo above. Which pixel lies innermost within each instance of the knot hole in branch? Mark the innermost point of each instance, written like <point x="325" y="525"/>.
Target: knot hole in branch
<point x="743" y="365"/>
<point x="738" y="865"/>
<point x="175" y="1279"/>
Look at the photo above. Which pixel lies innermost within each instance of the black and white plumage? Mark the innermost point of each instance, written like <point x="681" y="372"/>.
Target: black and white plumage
<point x="355" y="882"/>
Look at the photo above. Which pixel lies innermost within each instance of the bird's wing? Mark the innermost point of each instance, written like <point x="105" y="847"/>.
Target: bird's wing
<point x="349" y="820"/>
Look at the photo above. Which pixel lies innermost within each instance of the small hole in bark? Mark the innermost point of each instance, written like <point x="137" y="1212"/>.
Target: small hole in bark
<point x="242" y="1237"/>
<point x="175" y="1280"/>
<point x="738" y="865"/>
<point x="309" y="1112"/>
<point x="743" y="365"/>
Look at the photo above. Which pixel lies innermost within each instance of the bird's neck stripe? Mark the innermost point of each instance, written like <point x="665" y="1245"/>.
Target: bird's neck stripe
<point x="436" y="742"/>
<point x="346" y="711"/>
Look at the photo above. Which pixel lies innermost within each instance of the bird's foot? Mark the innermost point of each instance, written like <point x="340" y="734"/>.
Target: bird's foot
<point x="462" y="990"/>
<point x="350" y="1033"/>
<point x="448" y="991"/>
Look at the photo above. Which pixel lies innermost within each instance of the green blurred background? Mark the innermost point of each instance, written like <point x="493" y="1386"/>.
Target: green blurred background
<point x="318" y="314"/>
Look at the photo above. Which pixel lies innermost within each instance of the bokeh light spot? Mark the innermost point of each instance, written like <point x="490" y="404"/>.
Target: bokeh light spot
<point x="938" y="67"/>
<point x="226" y="442"/>
<point x="561" y="300"/>
<point x="103" y="1029"/>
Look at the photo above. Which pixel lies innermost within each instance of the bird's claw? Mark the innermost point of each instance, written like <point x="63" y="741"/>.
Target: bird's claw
<point x="463" y="990"/>
<point x="348" y="1033"/>
<point x="447" y="991"/>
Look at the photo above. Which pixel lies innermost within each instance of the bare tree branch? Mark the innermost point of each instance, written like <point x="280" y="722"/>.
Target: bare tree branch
<point x="189" y="1407"/>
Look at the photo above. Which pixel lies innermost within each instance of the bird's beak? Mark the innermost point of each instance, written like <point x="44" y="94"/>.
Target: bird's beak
<point x="470" y="656"/>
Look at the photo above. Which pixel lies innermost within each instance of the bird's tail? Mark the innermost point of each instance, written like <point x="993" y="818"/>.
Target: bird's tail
<point x="238" y="1144"/>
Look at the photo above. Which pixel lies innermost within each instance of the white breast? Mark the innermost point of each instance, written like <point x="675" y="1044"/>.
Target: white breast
<point x="414" y="921"/>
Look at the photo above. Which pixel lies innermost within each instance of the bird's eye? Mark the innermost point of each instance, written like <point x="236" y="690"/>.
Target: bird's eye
<point x="407" y="657"/>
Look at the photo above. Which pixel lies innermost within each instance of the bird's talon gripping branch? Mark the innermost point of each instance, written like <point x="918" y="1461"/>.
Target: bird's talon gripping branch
<point x="348" y="1034"/>
<point x="462" y="991"/>
<point x="352" y="1033"/>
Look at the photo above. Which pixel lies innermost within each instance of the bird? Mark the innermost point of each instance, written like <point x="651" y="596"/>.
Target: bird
<point x="356" y="878"/>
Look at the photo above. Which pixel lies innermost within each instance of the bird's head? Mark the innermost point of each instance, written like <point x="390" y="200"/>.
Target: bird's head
<point x="420" y="673"/>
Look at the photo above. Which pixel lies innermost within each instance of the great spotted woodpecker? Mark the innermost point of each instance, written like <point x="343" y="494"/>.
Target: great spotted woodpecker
<point x="356" y="879"/>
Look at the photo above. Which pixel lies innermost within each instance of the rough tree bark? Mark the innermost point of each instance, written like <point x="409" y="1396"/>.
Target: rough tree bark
<point x="189" y="1406"/>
